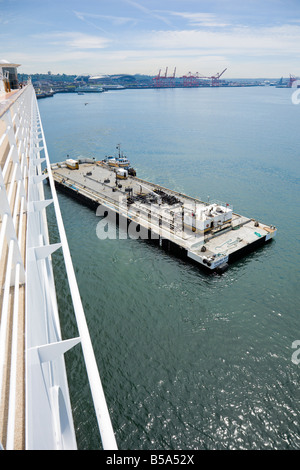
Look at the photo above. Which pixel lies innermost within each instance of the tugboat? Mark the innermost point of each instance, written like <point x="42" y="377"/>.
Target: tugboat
<point x="123" y="162"/>
<point x="120" y="161"/>
<point x="110" y="161"/>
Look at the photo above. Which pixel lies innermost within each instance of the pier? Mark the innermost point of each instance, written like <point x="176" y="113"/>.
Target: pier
<point x="209" y="234"/>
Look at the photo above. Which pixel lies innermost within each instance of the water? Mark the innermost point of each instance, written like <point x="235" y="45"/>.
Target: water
<point x="187" y="360"/>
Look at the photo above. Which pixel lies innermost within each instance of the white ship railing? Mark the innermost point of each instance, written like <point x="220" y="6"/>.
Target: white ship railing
<point x="26" y="269"/>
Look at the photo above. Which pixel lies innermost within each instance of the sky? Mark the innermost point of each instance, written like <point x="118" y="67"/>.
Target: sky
<point x="250" y="38"/>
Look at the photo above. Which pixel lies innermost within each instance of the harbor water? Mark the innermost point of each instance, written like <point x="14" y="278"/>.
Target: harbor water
<point x="188" y="360"/>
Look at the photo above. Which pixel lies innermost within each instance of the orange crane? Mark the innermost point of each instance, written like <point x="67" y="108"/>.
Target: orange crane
<point x="215" y="79"/>
<point x="164" y="80"/>
<point x="157" y="78"/>
<point x="172" y="79"/>
<point x="191" y="80"/>
<point x="292" y="80"/>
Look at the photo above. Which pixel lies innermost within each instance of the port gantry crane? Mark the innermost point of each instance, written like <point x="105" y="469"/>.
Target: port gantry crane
<point x="164" y="80"/>
<point x="215" y="79"/>
<point x="189" y="80"/>
<point x="193" y="80"/>
<point x="292" y="80"/>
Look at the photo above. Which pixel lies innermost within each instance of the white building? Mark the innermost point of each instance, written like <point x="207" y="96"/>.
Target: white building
<point x="8" y="76"/>
<point x="207" y="217"/>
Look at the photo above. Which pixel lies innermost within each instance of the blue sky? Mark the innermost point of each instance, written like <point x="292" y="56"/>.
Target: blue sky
<point x="251" y="38"/>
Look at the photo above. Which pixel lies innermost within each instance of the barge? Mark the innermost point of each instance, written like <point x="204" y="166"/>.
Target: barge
<point x="209" y="234"/>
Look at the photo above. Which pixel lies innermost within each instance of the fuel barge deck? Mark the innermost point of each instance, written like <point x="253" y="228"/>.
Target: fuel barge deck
<point x="210" y="234"/>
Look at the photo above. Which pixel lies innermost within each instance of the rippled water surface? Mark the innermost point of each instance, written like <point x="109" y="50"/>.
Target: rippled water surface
<point x="187" y="360"/>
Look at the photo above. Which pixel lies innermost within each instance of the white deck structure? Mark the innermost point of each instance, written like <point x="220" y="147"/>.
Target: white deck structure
<point x="35" y="408"/>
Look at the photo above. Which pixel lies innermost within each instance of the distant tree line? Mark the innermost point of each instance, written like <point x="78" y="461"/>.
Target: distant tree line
<point x="36" y="77"/>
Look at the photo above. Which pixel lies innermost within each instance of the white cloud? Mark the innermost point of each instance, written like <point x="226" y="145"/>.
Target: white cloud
<point x="84" y="41"/>
<point x="201" y="19"/>
<point x="115" y="20"/>
<point x="236" y="41"/>
<point x="148" y="12"/>
<point x="245" y="50"/>
<point x="74" y="40"/>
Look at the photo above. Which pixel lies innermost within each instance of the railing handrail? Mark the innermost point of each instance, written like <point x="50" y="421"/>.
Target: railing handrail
<point x="102" y="414"/>
<point x="11" y="210"/>
<point x="22" y="146"/>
